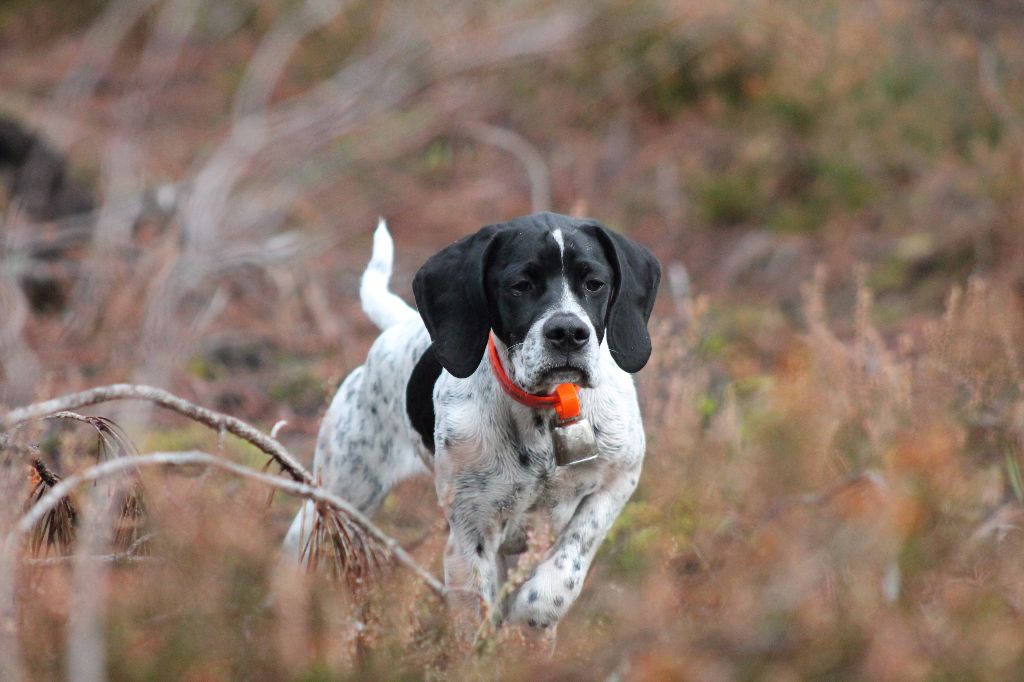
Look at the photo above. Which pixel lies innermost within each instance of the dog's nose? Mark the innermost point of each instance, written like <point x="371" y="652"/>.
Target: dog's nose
<point x="566" y="332"/>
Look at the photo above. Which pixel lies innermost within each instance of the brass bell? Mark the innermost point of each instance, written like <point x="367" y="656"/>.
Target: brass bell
<point x="574" y="442"/>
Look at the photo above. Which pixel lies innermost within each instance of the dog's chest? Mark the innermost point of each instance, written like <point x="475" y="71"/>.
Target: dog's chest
<point x="495" y="458"/>
<point x="546" y="485"/>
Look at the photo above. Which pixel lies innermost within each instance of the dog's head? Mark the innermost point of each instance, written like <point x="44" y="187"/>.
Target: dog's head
<point x="552" y="288"/>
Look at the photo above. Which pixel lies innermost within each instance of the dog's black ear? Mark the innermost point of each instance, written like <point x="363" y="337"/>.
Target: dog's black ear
<point x="450" y="295"/>
<point x="637" y="275"/>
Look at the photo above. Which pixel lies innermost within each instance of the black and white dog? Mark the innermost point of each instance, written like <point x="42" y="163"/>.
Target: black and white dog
<point x="567" y="301"/>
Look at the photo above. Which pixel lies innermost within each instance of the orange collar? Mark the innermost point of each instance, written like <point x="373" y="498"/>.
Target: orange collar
<point x="565" y="400"/>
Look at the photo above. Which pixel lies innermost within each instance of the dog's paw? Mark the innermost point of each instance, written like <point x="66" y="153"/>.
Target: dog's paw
<point x="542" y="600"/>
<point x="533" y="615"/>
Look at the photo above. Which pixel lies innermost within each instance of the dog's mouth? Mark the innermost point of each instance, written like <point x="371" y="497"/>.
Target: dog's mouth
<point x="565" y="374"/>
<point x="555" y="369"/>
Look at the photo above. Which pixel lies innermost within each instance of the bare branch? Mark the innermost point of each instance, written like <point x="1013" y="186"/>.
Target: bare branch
<point x="214" y="420"/>
<point x="217" y="179"/>
<point x="278" y="425"/>
<point x="519" y="147"/>
<point x="97" y="54"/>
<point x="117" y="558"/>
<point x="129" y="556"/>
<point x="189" y="458"/>
<point x="274" y="51"/>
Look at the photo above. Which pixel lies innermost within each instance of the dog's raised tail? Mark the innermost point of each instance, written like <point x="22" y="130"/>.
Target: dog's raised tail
<point x="382" y="306"/>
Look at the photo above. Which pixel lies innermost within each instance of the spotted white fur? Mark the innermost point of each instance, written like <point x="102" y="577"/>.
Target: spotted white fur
<point x="494" y="466"/>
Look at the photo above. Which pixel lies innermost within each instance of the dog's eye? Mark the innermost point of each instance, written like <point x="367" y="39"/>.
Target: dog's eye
<point x="594" y="285"/>
<point x="522" y="286"/>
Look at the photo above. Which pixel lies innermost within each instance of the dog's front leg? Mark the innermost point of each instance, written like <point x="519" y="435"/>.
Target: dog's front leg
<point x="555" y="584"/>
<point x="471" y="569"/>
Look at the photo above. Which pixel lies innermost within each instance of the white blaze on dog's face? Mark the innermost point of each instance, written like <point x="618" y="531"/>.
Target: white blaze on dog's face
<point x="554" y="290"/>
<point x="549" y="292"/>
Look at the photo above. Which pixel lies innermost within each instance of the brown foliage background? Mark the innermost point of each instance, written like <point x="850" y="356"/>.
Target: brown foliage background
<point x="834" y="409"/>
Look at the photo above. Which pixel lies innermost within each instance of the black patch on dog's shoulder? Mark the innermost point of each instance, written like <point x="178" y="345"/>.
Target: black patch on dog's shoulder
<point x="419" y="395"/>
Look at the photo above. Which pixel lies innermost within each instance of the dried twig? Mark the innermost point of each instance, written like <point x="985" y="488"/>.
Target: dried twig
<point x="342" y="532"/>
<point x="353" y="559"/>
<point x="113" y="441"/>
<point x="133" y="555"/>
<point x="190" y="458"/>
<point x="214" y="420"/>
<point x="64" y="560"/>
<point x="57" y="528"/>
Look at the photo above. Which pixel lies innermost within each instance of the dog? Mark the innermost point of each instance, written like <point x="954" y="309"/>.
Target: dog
<point x="545" y="301"/>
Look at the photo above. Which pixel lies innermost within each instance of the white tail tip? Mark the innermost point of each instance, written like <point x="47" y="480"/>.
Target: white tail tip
<point x="381" y="306"/>
<point x="383" y="248"/>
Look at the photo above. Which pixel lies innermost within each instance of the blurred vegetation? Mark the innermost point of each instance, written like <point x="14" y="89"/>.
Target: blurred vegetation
<point x="835" y="408"/>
